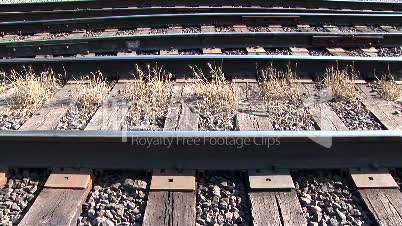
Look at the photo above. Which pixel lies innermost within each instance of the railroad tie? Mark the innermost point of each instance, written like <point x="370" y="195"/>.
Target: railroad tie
<point x="111" y="114"/>
<point x="171" y="199"/>
<point x="273" y="199"/>
<point x="381" y="108"/>
<point x="60" y="202"/>
<point x="3" y="178"/>
<point x="381" y="195"/>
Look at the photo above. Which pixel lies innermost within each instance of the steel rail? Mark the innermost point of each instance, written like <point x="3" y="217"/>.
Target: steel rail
<point x="110" y="44"/>
<point x="219" y="19"/>
<point x="232" y="65"/>
<point x="201" y="150"/>
<point x="85" y="13"/>
<point x="85" y="4"/>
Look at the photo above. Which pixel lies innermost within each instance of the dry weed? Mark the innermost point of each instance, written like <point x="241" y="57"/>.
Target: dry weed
<point x="218" y="100"/>
<point x="32" y="90"/>
<point x="389" y="89"/>
<point x="150" y="95"/>
<point x="277" y="85"/>
<point x="91" y="91"/>
<point x="341" y="83"/>
<point x="283" y="98"/>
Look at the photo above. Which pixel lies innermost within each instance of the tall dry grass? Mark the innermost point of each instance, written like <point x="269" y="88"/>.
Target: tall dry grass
<point x="389" y="89"/>
<point x="340" y="83"/>
<point x="218" y="99"/>
<point x="150" y="93"/>
<point x="32" y="90"/>
<point x="90" y="91"/>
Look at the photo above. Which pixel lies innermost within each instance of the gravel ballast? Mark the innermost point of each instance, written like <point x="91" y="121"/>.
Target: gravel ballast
<point x="188" y="30"/>
<point x="234" y="51"/>
<point x="278" y="51"/>
<point x="390" y="52"/>
<point x="328" y="199"/>
<point x="116" y="199"/>
<point x="258" y="29"/>
<point x="222" y="200"/>
<point x="292" y="116"/>
<point x="18" y="195"/>
<point x="355" y="115"/>
<point x="347" y="29"/>
<point x="356" y="52"/>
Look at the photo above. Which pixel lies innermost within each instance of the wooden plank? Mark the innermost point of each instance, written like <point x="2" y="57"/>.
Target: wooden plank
<point x="299" y="51"/>
<point x="188" y="120"/>
<point x="321" y="112"/>
<point x="6" y="98"/>
<point x="211" y="51"/>
<point x="337" y="51"/>
<point x="48" y="117"/>
<point x="240" y="28"/>
<point x="3" y="178"/>
<point x="206" y="29"/>
<point x="384" y="204"/>
<point x="275" y="28"/>
<point x="276" y="207"/>
<point x="253" y="115"/>
<point x="382" y="109"/>
<point x="264" y="209"/>
<point x="167" y="208"/>
<point x="173" y="114"/>
<point x="56" y="207"/>
<point x="256" y="50"/>
<point x="112" y="113"/>
<point x="291" y="211"/>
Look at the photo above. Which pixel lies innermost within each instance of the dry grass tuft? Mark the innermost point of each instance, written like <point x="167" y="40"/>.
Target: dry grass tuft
<point x="32" y="90"/>
<point x="389" y="89"/>
<point x="283" y="98"/>
<point x="277" y="85"/>
<point x="150" y="95"/>
<point x="341" y="84"/>
<point x="91" y="91"/>
<point x="217" y="107"/>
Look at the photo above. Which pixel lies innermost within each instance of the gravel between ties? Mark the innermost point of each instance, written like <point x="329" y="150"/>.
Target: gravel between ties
<point x="116" y="199"/>
<point x="390" y="52"/>
<point x="328" y="199"/>
<point x="18" y="195"/>
<point x="355" y="115"/>
<point x="222" y="200"/>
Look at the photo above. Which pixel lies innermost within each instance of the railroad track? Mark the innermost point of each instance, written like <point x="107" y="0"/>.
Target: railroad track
<point x="331" y="4"/>
<point x="217" y="19"/>
<point x="201" y="114"/>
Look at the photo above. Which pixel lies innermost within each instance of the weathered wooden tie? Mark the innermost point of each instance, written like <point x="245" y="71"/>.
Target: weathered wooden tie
<point x="171" y="199"/>
<point x="321" y="112"/>
<point x="111" y="114"/>
<point x="274" y="200"/>
<point x="381" y="195"/>
<point x="3" y="178"/>
<point x="60" y="202"/>
<point x="50" y="114"/>
<point x="382" y="109"/>
<point x="252" y="114"/>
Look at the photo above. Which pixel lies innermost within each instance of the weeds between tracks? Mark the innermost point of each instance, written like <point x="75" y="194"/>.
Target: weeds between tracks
<point x="217" y="100"/>
<point x="150" y="95"/>
<point x="282" y="95"/>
